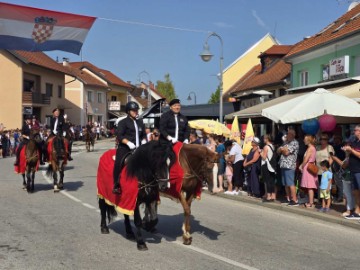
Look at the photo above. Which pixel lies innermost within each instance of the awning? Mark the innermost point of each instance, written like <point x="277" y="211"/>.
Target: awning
<point x="117" y="114"/>
<point x="255" y="111"/>
<point x="252" y="93"/>
<point x="326" y="85"/>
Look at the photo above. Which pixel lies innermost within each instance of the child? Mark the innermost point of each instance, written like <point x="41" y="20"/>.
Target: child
<point x="325" y="186"/>
<point x="229" y="175"/>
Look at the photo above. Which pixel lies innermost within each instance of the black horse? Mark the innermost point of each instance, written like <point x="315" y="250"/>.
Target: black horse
<point x="149" y="164"/>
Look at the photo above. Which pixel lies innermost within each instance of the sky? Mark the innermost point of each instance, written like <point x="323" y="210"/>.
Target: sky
<point x="167" y="36"/>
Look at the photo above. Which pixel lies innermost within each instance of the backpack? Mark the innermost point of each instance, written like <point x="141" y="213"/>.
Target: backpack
<point x="273" y="160"/>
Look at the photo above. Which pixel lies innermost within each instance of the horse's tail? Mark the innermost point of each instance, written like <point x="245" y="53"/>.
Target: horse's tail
<point x="49" y="171"/>
<point x="111" y="213"/>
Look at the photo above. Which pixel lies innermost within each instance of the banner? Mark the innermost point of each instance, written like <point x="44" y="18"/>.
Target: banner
<point x="249" y="136"/>
<point x="32" y="29"/>
<point x="235" y="131"/>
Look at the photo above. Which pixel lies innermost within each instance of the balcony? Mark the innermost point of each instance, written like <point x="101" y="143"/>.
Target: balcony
<point x="31" y="98"/>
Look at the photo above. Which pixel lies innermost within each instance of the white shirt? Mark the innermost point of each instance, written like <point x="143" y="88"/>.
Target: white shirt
<point x="55" y="125"/>
<point x="237" y="152"/>
<point x="137" y="135"/>
<point x="177" y="127"/>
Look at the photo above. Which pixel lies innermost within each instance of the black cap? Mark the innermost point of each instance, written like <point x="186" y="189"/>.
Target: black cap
<point x="174" y="101"/>
<point x="26" y="117"/>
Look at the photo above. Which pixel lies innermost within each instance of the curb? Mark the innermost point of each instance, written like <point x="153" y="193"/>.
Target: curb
<point x="242" y="197"/>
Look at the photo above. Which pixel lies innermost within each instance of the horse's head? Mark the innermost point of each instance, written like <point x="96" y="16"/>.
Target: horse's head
<point x="35" y="135"/>
<point x="151" y="162"/>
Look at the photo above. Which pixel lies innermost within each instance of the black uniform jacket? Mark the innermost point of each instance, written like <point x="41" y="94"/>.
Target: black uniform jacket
<point x="61" y="123"/>
<point x="126" y="130"/>
<point x="168" y="126"/>
<point x="26" y="130"/>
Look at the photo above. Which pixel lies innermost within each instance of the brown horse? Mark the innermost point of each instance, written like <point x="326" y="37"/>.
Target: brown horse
<point x="89" y="140"/>
<point x="197" y="162"/>
<point x="32" y="162"/>
<point x="57" y="152"/>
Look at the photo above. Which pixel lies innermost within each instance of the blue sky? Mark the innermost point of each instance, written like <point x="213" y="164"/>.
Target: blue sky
<point x="126" y="49"/>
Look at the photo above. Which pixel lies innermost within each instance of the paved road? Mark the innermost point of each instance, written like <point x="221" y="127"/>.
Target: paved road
<point x="44" y="230"/>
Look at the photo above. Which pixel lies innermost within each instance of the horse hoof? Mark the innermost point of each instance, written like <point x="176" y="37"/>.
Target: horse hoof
<point x="187" y="241"/>
<point x="142" y="247"/>
<point x="56" y="188"/>
<point x="105" y="230"/>
<point x="24" y="188"/>
<point x="60" y="186"/>
<point x="130" y="236"/>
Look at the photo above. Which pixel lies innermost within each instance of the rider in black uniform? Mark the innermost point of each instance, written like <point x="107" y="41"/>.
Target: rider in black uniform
<point x="57" y="123"/>
<point x="130" y="135"/>
<point x="174" y="125"/>
<point x="25" y="134"/>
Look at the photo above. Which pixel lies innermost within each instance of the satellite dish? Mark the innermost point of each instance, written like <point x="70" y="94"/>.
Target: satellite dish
<point x="353" y="4"/>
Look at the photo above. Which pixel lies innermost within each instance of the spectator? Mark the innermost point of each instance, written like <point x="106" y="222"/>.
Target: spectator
<point x="309" y="181"/>
<point x="288" y="155"/>
<point x="220" y="149"/>
<point x="237" y="159"/>
<point x="267" y="169"/>
<point x="335" y="167"/>
<point x="193" y="138"/>
<point x="155" y="135"/>
<point x="323" y="153"/>
<point x="343" y="174"/>
<point x="354" y="166"/>
<point x="325" y="186"/>
<point x="252" y="165"/>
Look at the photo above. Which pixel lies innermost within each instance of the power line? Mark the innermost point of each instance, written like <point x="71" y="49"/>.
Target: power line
<point x="154" y="25"/>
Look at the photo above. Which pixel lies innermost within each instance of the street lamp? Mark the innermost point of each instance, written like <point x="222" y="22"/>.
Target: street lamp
<point x="206" y="56"/>
<point x="143" y="96"/>
<point x="189" y="98"/>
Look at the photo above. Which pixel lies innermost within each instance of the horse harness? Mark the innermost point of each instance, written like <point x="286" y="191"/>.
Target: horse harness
<point x="192" y="173"/>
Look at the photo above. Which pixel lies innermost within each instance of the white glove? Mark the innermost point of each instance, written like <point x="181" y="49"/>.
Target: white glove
<point x="174" y="140"/>
<point x="186" y="141"/>
<point x="131" y="145"/>
<point x="64" y="133"/>
<point x="55" y="132"/>
<point x="143" y="141"/>
<point x="169" y="138"/>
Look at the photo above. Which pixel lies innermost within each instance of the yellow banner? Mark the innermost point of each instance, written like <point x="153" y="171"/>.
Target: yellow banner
<point x="235" y="131"/>
<point x="249" y="136"/>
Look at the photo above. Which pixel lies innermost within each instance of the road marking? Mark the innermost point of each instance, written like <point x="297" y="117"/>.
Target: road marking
<point x="88" y="206"/>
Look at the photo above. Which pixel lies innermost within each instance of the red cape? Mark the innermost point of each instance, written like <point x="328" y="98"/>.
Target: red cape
<point x="21" y="169"/>
<point x="127" y="201"/>
<point x="49" y="150"/>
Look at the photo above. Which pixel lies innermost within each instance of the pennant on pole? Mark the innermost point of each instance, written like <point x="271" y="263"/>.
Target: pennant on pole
<point x="249" y="136"/>
<point x="32" y="29"/>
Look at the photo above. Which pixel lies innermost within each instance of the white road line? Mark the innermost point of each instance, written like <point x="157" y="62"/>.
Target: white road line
<point x="168" y="239"/>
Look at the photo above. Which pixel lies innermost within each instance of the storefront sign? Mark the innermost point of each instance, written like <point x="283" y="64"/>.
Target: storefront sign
<point x="114" y="105"/>
<point x="339" y="66"/>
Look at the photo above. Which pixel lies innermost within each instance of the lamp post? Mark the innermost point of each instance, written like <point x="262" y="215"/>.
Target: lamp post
<point x="189" y="97"/>
<point x="206" y="56"/>
<point x="143" y="96"/>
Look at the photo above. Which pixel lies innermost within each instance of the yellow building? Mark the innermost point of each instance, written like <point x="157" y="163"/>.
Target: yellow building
<point x="246" y="61"/>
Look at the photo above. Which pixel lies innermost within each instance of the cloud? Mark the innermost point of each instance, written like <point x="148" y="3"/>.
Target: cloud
<point x="223" y="25"/>
<point x="259" y="21"/>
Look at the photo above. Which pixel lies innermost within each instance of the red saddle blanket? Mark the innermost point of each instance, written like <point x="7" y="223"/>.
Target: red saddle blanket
<point x="21" y="169"/>
<point x="127" y="201"/>
<point x="176" y="177"/>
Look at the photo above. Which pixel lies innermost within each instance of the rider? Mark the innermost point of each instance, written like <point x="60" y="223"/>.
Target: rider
<point x="68" y="128"/>
<point x="57" y="122"/>
<point x="130" y="134"/>
<point x="174" y="125"/>
<point x="25" y="134"/>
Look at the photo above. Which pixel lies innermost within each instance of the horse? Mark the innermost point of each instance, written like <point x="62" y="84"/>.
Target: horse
<point x="196" y="163"/>
<point x="89" y="140"/>
<point x="57" y="153"/>
<point x="143" y="171"/>
<point x="31" y="161"/>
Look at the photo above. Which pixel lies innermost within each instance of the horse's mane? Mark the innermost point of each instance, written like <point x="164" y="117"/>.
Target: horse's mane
<point x="147" y="159"/>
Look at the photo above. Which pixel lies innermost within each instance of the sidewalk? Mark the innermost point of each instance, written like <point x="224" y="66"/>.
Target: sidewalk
<point x="333" y="216"/>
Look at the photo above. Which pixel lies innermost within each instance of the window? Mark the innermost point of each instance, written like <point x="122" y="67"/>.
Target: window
<point x="304" y="78"/>
<point x="28" y="86"/>
<point x="90" y="96"/>
<point x="59" y="91"/>
<point x="99" y="119"/>
<point x="113" y="98"/>
<point x="49" y="89"/>
<point x="100" y="97"/>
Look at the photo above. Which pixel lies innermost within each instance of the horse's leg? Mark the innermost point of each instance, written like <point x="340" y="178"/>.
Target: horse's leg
<point x="186" y="204"/>
<point x="32" y="179"/>
<point x="61" y="172"/>
<point x="129" y="232"/>
<point x="28" y="178"/>
<point x="103" y="209"/>
<point x="141" y="245"/>
<point x="24" y="181"/>
<point x="55" y="177"/>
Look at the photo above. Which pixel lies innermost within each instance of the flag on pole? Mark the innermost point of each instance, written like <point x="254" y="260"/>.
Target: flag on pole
<point x="249" y="136"/>
<point x="235" y="131"/>
<point x="33" y="29"/>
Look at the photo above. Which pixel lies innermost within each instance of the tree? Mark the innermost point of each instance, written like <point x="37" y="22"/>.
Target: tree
<point x="166" y="88"/>
<point x="215" y="97"/>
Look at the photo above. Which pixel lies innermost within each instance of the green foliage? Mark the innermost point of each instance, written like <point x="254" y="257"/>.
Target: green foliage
<point x="215" y="97"/>
<point x="166" y="88"/>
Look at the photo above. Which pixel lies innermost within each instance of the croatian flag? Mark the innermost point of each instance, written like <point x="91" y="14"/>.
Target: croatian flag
<point x="33" y="29"/>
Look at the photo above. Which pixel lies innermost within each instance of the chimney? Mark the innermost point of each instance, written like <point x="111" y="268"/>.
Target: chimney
<point x="65" y="62"/>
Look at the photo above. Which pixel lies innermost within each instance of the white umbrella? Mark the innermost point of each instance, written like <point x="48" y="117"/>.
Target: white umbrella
<point x="312" y="105"/>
